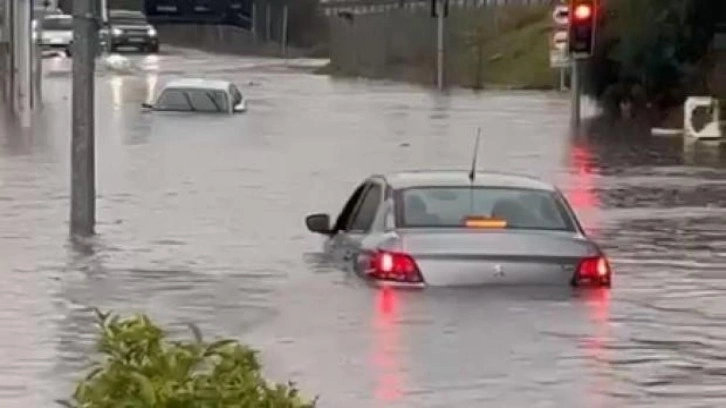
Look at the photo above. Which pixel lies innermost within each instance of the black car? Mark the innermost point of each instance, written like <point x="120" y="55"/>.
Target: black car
<point x="129" y="29"/>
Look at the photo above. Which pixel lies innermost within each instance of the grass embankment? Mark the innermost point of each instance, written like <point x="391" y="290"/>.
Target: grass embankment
<point x="506" y="49"/>
<point x="516" y="57"/>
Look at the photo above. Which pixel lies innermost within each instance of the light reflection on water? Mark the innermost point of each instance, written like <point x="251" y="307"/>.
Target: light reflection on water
<point x="387" y="347"/>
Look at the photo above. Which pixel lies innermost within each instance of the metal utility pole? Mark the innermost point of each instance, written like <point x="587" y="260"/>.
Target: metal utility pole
<point x="575" y="92"/>
<point x="440" y="44"/>
<point x="268" y="25"/>
<point x="284" y="31"/>
<point x="253" y="27"/>
<point x="83" y="183"/>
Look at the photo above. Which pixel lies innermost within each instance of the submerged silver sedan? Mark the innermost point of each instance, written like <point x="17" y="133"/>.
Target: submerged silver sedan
<point x="452" y="228"/>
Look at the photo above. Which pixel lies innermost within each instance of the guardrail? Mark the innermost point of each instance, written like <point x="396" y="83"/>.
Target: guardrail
<point x="332" y="7"/>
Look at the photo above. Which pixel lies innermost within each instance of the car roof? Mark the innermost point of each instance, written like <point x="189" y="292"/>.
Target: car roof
<point x="57" y="17"/>
<point x="460" y="178"/>
<point x="198" y="83"/>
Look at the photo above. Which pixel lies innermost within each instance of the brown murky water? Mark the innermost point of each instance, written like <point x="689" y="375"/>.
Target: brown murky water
<point x="201" y="219"/>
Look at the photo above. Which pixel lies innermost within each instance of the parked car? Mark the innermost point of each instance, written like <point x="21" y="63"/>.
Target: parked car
<point x="129" y="29"/>
<point x="56" y="33"/>
<point x="199" y="95"/>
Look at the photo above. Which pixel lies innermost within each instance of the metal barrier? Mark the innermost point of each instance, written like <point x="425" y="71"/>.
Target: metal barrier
<point x="233" y="12"/>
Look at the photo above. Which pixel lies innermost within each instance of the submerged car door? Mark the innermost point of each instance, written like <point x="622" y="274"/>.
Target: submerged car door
<point x="348" y="240"/>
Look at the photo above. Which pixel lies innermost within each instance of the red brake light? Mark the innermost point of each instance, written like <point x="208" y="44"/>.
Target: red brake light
<point x="583" y="12"/>
<point x="394" y="266"/>
<point x="594" y="270"/>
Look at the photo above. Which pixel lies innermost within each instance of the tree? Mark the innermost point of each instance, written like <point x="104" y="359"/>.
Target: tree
<point x="650" y="50"/>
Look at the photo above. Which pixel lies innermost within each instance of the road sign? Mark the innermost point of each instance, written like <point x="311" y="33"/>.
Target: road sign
<point x="561" y="15"/>
<point x="559" y="59"/>
<point x="559" y="40"/>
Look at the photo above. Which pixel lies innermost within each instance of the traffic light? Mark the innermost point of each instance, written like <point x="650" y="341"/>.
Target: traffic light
<point x="582" y="27"/>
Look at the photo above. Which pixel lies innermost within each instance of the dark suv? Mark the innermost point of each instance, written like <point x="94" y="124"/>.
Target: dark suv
<point x="129" y="29"/>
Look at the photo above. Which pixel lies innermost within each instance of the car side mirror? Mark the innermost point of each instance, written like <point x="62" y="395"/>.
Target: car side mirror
<point x="240" y="107"/>
<point x="319" y="223"/>
<point x="147" y="106"/>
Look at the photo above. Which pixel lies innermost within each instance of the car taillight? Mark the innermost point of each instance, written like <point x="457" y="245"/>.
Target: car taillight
<point x="594" y="270"/>
<point x="394" y="266"/>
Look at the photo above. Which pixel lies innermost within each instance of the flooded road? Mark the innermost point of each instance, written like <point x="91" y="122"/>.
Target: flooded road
<point x="201" y="220"/>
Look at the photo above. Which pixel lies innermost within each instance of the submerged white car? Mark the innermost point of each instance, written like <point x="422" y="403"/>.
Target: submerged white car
<point x="199" y="95"/>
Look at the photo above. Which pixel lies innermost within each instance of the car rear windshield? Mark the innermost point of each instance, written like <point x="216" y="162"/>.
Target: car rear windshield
<point x="56" y="23"/>
<point x="450" y="207"/>
<point x="192" y="100"/>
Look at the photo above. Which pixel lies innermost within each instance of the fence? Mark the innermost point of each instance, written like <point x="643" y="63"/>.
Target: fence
<point x="401" y="43"/>
<point x="333" y="7"/>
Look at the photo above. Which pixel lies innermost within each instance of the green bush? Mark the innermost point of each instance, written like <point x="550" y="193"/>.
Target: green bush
<point x="142" y="368"/>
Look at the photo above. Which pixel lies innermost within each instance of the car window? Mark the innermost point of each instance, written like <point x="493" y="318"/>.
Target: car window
<point x="236" y="95"/>
<point x="449" y="207"/>
<point x="208" y="101"/>
<point x="366" y="212"/>
<point x="173" y="100"/>
<point x="347" y="212"/>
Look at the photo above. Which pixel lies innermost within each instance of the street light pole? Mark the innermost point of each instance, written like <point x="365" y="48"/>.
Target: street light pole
<point x="440" y="44"/>
<point x="83" y="188"/>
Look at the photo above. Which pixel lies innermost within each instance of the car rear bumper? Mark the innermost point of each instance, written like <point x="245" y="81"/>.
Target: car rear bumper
<point x="54" y="46"/>
<point x="134" y="41"/>
<point x="397" y="285"/>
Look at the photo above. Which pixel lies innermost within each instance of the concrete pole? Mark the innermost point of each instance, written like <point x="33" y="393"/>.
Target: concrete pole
<point x="37" y="62"/>
<point x="83" y="184"/>
<point x="38" y="78"/>
<point x="284" y="31"/>
<point x="575" y="92"/>
<point x="7" y="56"/>
<point x="440" y="44"/>
<point x="22" y="61"/>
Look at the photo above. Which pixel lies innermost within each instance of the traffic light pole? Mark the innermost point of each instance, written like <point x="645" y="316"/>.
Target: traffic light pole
<point x="575" y="91"/>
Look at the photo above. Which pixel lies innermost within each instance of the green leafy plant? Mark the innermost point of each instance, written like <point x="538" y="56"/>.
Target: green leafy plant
<point x="141" y="368"/>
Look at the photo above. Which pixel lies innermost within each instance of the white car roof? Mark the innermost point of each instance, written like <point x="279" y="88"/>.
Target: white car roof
<point x="198" y="83"/>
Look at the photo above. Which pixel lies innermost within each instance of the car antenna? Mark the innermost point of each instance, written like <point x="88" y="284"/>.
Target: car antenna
<point x="472" y="174"/>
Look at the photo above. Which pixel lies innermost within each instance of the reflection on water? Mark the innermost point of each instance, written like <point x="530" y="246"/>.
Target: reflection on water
<point x="582" y="189"/>
<point x="151" y="82"/>
<point x="597" y="303"/>
<point x="201" y="219"/>
<point x="387" y="347"/>
<point x="117" y="83"/>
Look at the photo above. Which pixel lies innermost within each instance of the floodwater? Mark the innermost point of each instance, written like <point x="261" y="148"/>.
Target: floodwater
<point x="201" y="220"/>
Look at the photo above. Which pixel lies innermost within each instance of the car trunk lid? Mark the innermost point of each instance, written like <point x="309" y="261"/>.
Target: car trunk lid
<point x="514" y="257"/>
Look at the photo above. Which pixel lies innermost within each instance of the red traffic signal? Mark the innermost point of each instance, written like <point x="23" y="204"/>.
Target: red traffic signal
<point x="582" y="27"/>
<point x="582" y="12"/>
